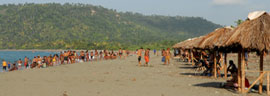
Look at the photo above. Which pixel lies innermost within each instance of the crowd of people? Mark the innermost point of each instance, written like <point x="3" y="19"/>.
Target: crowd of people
<point x="65" y="57"/>
<point x="166" y="55"/>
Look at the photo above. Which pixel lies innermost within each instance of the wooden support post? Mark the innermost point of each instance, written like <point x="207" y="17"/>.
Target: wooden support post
<point x="192" y="58"/>
<point x="215" y="65"/>
<point x="243" y="71"/>
<point x="239" y="71"/>
<point x="188" y="56"/>
<point x="261" y="71"/>
<point x="268" y="84"/>
<point x="225" y="65"/>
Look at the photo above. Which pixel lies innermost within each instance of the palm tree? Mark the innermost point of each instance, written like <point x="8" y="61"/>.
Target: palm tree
<point x="238" y="22"/>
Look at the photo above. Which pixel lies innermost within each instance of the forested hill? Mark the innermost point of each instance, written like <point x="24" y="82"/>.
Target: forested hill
<point x="80" y="26"/>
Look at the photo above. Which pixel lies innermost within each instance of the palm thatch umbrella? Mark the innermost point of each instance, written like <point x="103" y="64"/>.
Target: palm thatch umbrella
<point x="175" y="46"/>
<point x="189" y="45"/>
<point x="194" y="43"/>
<point x="215" y="38"/>
<point x="183" y="44"/>
<point x="253" y="34"/>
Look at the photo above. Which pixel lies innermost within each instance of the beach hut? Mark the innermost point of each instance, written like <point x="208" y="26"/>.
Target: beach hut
<point x="189" y="44"/>
<point x="214" y="40"/>
<point x="254" y="35"/>
<point x="194" y="45"/>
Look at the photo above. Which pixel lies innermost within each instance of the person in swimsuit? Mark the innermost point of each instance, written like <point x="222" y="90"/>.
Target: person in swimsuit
<point x="91" y="55"/>
<point x="167" y="56"/>
<point x="139" y="54"/>
<point x="146" y="56"/>
<point x="54" y="59"/>
<point x="163" y="54"/>
<point x="14" y="67"/>
<point x="96" y="54"/>
<point x="9" y="65"/>
<point x="4" y="64"/>
<point x="120" y="53"/>
<point x="25" y="62"/>
<point x="34" y="63"/>
<point x="49" y="59"/>
<point x="44" y="64"/>
<point x="20" y="63"/>
<point x="39" y="61"/>
<point x="100" y="55"/>
<point x="66" y="57"/>
<point x="82" y="55"/>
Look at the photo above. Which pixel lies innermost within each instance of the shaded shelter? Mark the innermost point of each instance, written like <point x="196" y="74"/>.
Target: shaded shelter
<point x="189" y="45"/>
<point x="214" y="40"/>
<point x="253" y="34"/>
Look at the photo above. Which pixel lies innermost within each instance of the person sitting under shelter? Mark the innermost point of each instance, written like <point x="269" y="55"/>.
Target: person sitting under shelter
<point x="234" y="82"/>
<point x="232" y="67"/>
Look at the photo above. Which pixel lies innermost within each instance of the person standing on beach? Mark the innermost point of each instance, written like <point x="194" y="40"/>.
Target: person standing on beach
<point x="49" y="59"/>
<point x="155" y="51"/>
<point x="82" y="55"/>
<point x="163" y="54"/>
<point x="25" y="62"/>
<point x="120" y="53"/>
<point x="87" y="55"/>
<point x="4" y="64"/>
<point x="92" y="56"/>
<point x="34" y="62"/>
<point x="9" y="65"/>
<point x="146" y="56"/>
<point x="65" y="57"/>
<point x="39" y="61"/>
<point x="139" y="54"/>
<point x="167" y="56"/>
<point x="96" y="54"/>
<point x="61" y="57"/>
<point x="100" y="55"/>
<point x="20" y="63"/>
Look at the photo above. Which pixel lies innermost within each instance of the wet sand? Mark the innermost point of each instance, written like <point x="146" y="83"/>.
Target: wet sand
<point x="112" y="78"/>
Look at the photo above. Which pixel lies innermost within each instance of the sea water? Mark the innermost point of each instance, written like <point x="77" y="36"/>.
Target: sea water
<point x="14" y="56"/>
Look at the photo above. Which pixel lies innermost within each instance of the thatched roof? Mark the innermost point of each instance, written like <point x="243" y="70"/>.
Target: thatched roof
<point x="194" y="43"/>
<point x="181" y="44"/>
<point x="252" y="34"/>
<point x="177" y="45"/>
<point x="215" y="38"/>
<point x="189" y="44"/>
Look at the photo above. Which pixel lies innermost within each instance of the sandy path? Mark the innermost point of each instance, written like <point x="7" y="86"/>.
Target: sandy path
<point x="111" y="78"/>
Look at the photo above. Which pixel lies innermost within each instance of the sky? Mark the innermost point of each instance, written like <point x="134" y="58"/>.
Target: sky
<point x="223" y="12"/>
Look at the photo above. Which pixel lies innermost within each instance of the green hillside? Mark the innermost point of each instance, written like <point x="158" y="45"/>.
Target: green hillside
<point x="80" y="26"/>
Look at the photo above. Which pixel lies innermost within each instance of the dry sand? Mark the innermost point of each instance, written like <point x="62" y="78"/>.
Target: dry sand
<point x="112" y="78"/>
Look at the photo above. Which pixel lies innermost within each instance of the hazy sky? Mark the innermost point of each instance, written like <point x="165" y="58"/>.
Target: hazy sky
<point x="223" y="12"/>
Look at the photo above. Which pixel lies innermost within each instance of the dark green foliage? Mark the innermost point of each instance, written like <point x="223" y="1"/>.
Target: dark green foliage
<point x="80" y="26"/>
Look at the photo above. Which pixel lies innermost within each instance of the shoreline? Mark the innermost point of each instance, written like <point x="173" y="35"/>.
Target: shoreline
<point x="31" y="49"/>
<point x="42" y="50"/>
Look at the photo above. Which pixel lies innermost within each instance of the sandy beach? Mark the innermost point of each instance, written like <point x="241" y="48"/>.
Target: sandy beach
<point x="112" y="78"/>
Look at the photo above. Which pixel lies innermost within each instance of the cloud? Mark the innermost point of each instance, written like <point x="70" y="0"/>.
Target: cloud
<point x="228" y="2"/>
